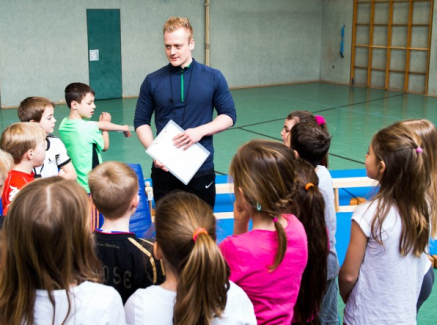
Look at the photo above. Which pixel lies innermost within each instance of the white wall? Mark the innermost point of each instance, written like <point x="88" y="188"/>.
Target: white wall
<point x="333" y="67"/>
<point x="254" y="42"/>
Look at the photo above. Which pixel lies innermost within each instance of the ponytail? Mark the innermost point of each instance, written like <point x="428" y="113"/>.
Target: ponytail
<point x="201" y="295"/>
<point x="312" y="215"/>
<point x="282" y="245"/>
<point x="185" y="232"/>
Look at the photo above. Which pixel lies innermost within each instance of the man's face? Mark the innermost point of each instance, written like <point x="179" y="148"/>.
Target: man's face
<point x="178" y="47"/>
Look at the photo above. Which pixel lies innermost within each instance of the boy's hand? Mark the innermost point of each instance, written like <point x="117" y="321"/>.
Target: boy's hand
<point x="105" y="117"/>
<point x="126" y="132"/>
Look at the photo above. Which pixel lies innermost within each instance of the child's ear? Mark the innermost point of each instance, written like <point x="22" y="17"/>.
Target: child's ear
<point x="381" y="167"/>
<point x="73" y="104"/>
<point x="29" y="154"/>
<point x="241" y="203"/>
<point x="157" y="251"/>
<point x="135" y="201"/>
<point x="296" y="154"/>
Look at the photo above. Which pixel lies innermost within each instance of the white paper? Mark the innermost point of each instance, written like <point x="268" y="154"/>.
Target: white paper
<point x="183" y="164"/>
<point x="94" y="55"/>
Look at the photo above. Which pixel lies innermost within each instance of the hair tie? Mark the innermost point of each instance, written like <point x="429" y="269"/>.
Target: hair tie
<point x="419" y="149"/>
<point x="275" y="219"/>
<point x="320" y="120"/>
<point x="309" y="185"/>
<point x="199" y="231"/>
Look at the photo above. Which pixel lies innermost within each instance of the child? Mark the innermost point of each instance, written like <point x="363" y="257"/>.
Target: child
<point x="311" y="212"/>
<point x="25" y="142"/>
<point x="197" y="289"/>
<point x="49" y="268"/>
<point x="428" y="134"/>
<point x="311" y="143"/>
<point x="300" y="116"/>
<point x="57" y="162"/>
<point x="303" y="116"/>
<point x="83" y="139"/>
<point x="6" y="163"/>
<point x="385" y="262"/>
<point x="128" y="262"/>
<point x="267" y="262"/>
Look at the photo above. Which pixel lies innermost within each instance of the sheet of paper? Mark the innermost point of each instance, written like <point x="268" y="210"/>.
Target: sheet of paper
<point x="183" y="164"/>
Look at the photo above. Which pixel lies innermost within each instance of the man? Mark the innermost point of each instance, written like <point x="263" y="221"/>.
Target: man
<point x="186" y="92"/>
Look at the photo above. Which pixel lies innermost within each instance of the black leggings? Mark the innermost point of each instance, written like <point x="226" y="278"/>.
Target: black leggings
<point x="425" y="291"/>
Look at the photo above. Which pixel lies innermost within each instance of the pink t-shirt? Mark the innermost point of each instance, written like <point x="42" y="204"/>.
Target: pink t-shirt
<point x="249" y="255"/>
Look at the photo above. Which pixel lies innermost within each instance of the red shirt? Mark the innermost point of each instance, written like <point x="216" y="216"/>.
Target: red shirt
<point x="13" y="184"/>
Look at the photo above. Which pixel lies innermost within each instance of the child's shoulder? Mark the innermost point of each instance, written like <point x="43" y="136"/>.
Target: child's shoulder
<point x="242" y="243"/>
<point x="54" y="141"/>
<point x="129" y="241"/>
<point x="77" y="123"/>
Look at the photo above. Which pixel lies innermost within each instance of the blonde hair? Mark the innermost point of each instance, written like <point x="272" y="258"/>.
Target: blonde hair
<point x="174" y="23"/>
<point x="113" y="185"/>
<point x="47" y="245"/>
<point x="202" y="273"/>
<point x="18" y="138"/>
<point x="428" y="133"/>
<point x="32" y="108"/>
<point x="265" y="171"/>
<point x="403" y="185"/>
<point x="6" y="163"/>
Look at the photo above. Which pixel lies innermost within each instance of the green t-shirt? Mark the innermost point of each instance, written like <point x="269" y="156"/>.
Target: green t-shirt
<point x="82" y="139"/>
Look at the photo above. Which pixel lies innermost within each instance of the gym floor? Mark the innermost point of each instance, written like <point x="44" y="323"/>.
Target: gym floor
<point x="353" y="115"/>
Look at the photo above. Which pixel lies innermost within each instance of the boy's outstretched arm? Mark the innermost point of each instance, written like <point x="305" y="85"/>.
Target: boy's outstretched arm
<point x="106" y="125"/>
<point x="105" y="118"/>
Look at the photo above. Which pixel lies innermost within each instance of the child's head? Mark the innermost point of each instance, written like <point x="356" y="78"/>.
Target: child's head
<point x="396" y="160"/>
<point x="264" y="181"/>
<point x="39" y="110"/>
<point x="186" y="237"/>
<point x="20" y="139"/>
<point x="46" y="244"/>
<point x="310" y="142"/>
<point x="80" y="98"/>
<point x="114" y="188"/>
<point x="311" y="210"/>
<point x="6" y="163"/>
<point x="297" y="117"/>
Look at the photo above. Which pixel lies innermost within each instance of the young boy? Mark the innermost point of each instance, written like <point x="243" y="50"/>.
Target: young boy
<point x="311" y="143"/>
<point x="128" y="262"/>
<point x="83" y="139"/>
<point x="57" y="162"/>
<point x="25" y="142"/>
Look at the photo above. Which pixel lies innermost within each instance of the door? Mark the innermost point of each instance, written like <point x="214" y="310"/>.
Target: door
<point x="104" y="52"/>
